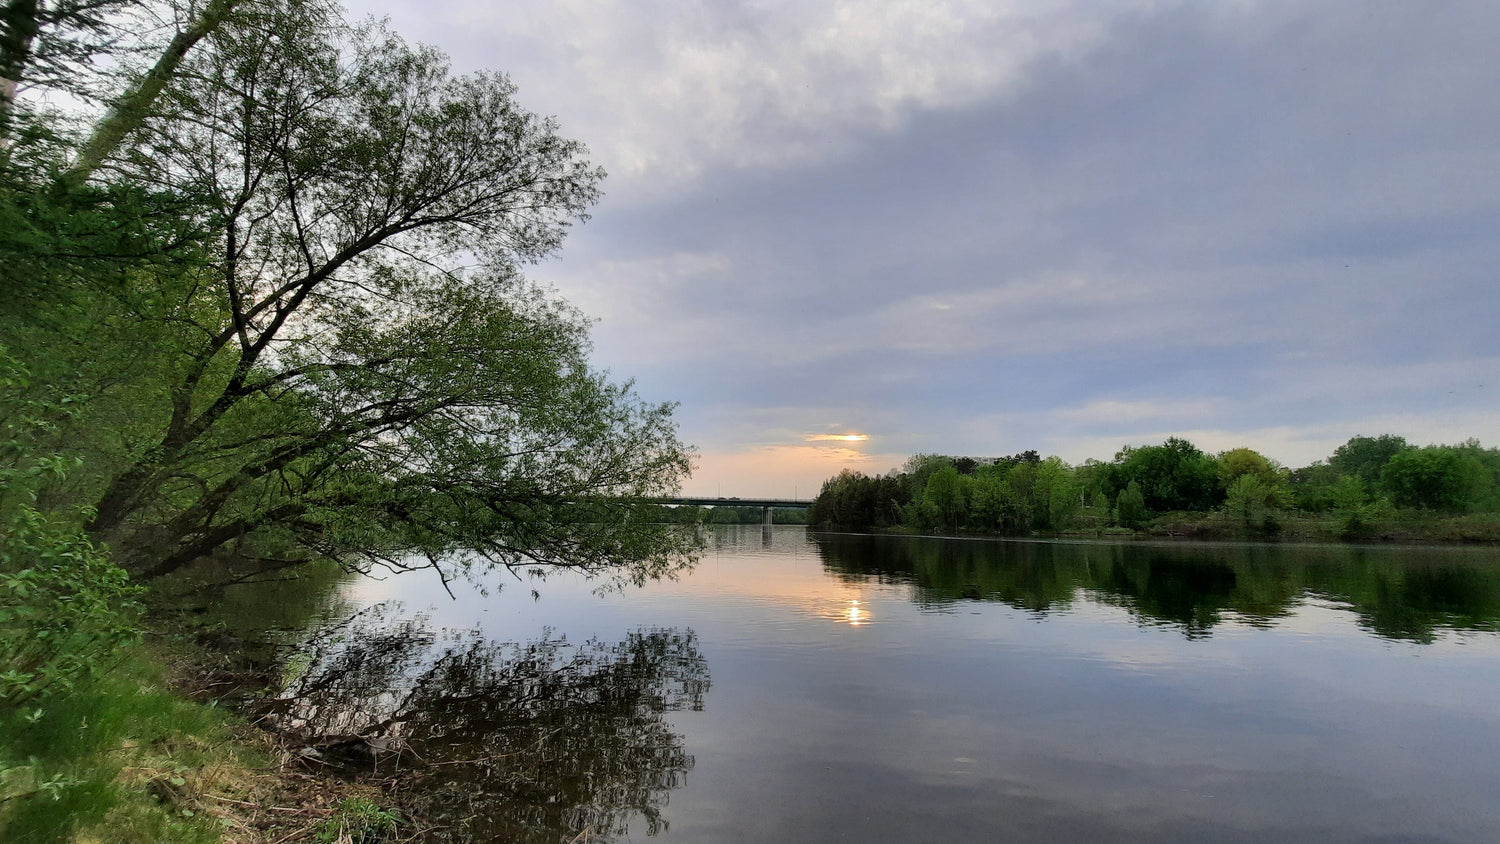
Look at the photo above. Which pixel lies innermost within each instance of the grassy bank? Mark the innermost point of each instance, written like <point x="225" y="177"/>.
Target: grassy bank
<point x="125" y="758"/>
<point x="113" y="726"/>
<point x="1415" y="527"/>
<point x="147" y="752"/>
<point x="1401" y="526"/>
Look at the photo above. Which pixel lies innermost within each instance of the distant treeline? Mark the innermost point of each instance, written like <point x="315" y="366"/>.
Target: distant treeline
<point x="1368" y="487"/>
<point x="727" y="515"/>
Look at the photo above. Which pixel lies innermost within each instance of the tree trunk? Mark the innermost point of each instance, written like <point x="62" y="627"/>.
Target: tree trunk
<point x="131" y="109"/>
<point x="19" y="23"/>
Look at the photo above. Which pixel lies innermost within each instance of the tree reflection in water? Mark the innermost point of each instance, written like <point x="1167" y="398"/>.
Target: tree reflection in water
<point x="511" y="742"/>
<point x="1411" y="594"/>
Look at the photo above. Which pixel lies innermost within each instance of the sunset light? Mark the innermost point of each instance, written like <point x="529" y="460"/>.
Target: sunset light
<point x="842" y="438"/>
<point x="856" y="615"/>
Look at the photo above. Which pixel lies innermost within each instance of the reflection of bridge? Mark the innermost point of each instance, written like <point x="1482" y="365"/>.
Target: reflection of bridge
<point x="765" y="504"/>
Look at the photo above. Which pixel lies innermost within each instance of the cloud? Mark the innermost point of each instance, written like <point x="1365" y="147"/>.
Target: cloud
<point x="633" y="293"/>
<point x="987" y="227"/>
<point x="1115" y="413"/>
<point x="666" y="91"/>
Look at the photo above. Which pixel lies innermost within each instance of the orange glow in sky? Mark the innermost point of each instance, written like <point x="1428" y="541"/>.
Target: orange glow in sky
<point x="784" y="471"/>
<point x="843" y="438"/>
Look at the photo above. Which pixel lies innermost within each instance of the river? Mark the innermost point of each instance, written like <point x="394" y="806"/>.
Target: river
<point x="806" y="687"/>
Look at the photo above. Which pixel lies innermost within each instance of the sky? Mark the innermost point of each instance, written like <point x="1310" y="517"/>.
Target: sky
<point x="977" y="228"/>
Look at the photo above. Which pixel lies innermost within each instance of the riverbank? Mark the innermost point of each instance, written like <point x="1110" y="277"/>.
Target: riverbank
<point x="292" y="791"/>
<point x="167" y="746"/>
<point x="1401" y="526"/>
<point x="1406" y="527"/>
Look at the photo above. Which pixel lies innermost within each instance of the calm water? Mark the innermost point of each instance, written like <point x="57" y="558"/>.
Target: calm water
<point x="799" y="687"/>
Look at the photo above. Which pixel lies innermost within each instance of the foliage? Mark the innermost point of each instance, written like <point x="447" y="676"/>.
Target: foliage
<point x="1484" y="500"/>
<point x="1239" y="462"/>
<point x="286" y="316"/>
<point x="998" y="503"/>
<point x="1057" y="495"/>
<point x="946" y="498"/>
<point x="1255" y="490"/>
<point x="358" y="820"/>
<point x="1241" y="492"/>
<point x="64" y="247"/>
<point x="1130" y="506"/>
<point x="1365" y="457"/>
<point x="294" y="298"/>
<point x="65" y="609"/>
<point x="917" y="469"/>
<point x="1311" y="487"/>
<point x="1175" y="475"/>
<point x="1012" y="496"/>
<point x="854" y="501"/>
<point x="1253" y="504"/>
<point x="45" y="43"/>
<point x="1436" y="478"/>
<point x="347" y="389"/>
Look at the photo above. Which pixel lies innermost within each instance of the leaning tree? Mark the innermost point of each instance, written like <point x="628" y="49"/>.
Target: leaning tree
<point x="343" y="354"/>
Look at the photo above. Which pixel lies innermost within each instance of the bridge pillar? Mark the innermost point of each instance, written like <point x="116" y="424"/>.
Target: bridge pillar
<point x="765" y="516"/>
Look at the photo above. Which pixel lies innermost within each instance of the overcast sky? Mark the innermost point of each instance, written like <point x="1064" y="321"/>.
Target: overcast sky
<point x="984" y="227"/>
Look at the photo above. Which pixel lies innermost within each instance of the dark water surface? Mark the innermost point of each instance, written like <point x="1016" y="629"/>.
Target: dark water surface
<point x="803" y="687"/>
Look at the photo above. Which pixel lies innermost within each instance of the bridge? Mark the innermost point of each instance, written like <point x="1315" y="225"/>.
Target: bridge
<point x="766" y="504"/>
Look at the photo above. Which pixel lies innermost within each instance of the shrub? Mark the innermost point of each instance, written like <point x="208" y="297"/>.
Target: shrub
<point x="65" y="609"/>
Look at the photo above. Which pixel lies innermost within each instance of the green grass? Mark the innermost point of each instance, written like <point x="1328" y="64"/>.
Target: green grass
<point x="120" y="759"/>
<point x="360" y="821"/>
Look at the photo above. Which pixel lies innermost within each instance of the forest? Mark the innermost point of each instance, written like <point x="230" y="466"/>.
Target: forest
<point x="1370" y="488"/>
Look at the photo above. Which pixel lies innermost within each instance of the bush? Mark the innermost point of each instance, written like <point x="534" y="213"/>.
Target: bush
<point x="65" y="609"/>
<point x="1436" y="477"/>
<point x="1253" y="504"/>
<point x="1130" y="507"/>
<point x="1356" y="515"/>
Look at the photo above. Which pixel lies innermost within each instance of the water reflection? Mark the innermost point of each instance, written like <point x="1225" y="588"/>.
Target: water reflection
<point x="903" y="689"/>
<point x="857" y="615"/>
<point x="541" y="741"/>
<point x="1409" y="594"/>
